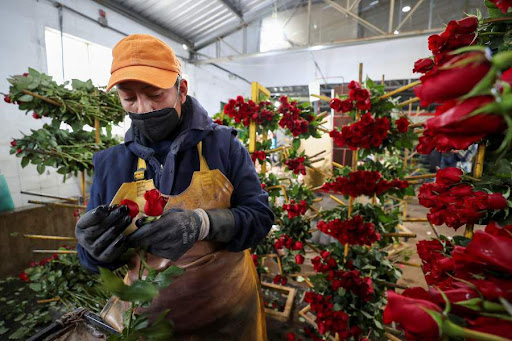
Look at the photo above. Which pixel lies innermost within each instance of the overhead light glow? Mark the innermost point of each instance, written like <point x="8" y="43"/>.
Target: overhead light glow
<point x="396" y="32"/>
<point x="185" y="47"/>
<point x="315" y="27"/>
<point x="406" y="9"/>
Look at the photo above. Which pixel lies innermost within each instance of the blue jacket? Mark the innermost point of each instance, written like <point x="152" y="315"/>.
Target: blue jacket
<point x="171" y="163"/>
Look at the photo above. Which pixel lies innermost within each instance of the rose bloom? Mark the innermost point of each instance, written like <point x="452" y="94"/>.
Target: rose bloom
<point x="451" y="79"/>
<point x="410" y="314"/>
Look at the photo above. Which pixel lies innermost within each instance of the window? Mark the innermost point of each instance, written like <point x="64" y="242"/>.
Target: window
<point x="83" y="60"/>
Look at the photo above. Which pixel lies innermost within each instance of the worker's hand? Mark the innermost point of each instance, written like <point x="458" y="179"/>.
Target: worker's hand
<point x="173" y="234"/>
<point x="100" y="232"/>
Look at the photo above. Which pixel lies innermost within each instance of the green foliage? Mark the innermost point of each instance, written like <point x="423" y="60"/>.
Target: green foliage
<point x="140" y="294"/>
<point x="79" y="105"/>
<point x="68" y="151"/>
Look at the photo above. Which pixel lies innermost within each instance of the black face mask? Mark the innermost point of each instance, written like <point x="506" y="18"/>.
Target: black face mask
<point x="156" y="125"/>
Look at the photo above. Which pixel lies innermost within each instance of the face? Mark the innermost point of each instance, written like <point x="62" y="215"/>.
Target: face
<point x="141" y="98"/>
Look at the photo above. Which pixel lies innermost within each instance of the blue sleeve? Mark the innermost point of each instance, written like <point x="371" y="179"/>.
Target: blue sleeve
<point x="249" y="202"/>
<point x="95" y="199"/>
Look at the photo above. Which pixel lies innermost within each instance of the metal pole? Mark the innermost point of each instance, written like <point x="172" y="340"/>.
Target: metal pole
<point x="391" y="16"/>
<point x="309" y="22"/>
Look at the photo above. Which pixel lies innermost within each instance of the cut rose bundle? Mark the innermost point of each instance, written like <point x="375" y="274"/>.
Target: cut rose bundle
<point x="458" y="33"/>
<point x="352" y="231"/>
<point x="327" y="319"/>
<point x="295" y="209"/>
<point x="350" y="280"/>
<point x="366" y="133"/>
<point x="454" y="203"/>
<point x="291" y="117"/>
<point x="246" y="112"/>
<point x="258" y="155"/>
<point x="296" y="165"/>
<point x="363" y="183"/>
<point x="474" y="278"/>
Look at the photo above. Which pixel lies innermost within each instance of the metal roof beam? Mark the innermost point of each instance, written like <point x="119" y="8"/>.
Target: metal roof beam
<point x="355" y="16"/>
<point x="144" y="21"/>
<point x="264" y="12"/>
<point x="233" y="9"/>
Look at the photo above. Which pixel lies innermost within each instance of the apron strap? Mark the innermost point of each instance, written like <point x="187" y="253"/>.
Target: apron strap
<point x="140" y="173"/>
<point x="202" y="161"/>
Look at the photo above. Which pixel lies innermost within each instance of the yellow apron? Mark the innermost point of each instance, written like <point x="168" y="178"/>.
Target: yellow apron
<point x="219" y="296"/>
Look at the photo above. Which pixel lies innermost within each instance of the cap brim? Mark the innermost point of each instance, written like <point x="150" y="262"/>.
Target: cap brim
<point x="164" y="79"/>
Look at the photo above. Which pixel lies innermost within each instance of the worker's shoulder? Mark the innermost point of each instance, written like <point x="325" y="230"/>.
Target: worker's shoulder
<point x="222" y="130"/>
<point x="111" y="155"/>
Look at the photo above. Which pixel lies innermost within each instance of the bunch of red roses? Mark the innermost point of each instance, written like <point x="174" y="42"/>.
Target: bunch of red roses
<point x="327" y="319"/>
<point x="296" y="165"/>
<point x="449" y="77"/>
<point x="296" y="209"/>
<point x="287" y="242"/>
<point x="291" y="118"/>
<point x="473" y="278"/>
<point x="358" y="98"/>
<point x="246" y="112"/>
<point x="350" y="280"/>
<point x="352" y="231"/>
<point x="241" y="110"/>
<point x="363" y="183"/>
<point x="258" y="155"/>
<point x="365" y="133"/>
<point x="458" y="33"/>
<point x="454" y="203"/>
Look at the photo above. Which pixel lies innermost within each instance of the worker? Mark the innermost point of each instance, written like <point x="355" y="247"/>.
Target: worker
<point x="219" y="211"/>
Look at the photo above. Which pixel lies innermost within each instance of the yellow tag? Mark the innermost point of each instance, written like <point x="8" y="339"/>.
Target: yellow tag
<point x="133" y="191"/>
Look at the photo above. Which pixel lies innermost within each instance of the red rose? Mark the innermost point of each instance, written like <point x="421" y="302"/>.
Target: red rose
<point x="460" y="128"/>
<point x="354" y="85"/>
<point x="449" y="176"/>
<point x="299" y="259"/>
<point x="346" y="106"/>
<point x="255" y="260"/>
<point x="364" y="105"/>
<point x="335" y="104"/>
<point x="36" y="116"/>
<point x="155" y="203"/>
<point x="485" y="251"/>
<point x="298" y="246"/>
<point x="423" y="65"/>
<point x="132" y="206"/>
<point x="491" y="325"/>
<point x="496" y="230"/>
<point x="13" y="143"/>
<point x="450" y="80"/>
<point x="408" y="312"/>
<point x="463" y="26"/>
<point x="19" y="151"/>
<point x="24" y="277"/>
<point x="7" y="99"/>
<point x="402" y="124"/>
<point x="504" y="5"/>
<point x="497" y="202"/>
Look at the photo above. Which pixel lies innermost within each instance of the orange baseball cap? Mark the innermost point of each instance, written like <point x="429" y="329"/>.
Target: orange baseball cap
<point x="144" y="58"/>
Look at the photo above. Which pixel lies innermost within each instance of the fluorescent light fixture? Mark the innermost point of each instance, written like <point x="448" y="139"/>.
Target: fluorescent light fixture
<point x="396" y="32"/>
<point x="315" y="27"/>
<point x="185" y="47"/>
<point x="406" y="9"/>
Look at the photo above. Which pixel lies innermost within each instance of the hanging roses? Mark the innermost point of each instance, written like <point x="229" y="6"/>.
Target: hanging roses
<point x="363" y="183"/>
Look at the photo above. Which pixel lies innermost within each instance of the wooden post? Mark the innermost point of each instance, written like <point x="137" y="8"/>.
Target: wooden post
<point x="83" y="186"/>
<point x="477" y="173"/>
<point x="354" y="162"/>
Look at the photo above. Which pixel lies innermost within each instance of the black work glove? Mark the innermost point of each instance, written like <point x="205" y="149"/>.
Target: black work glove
<point x="173" y="234"/>
<point x="100" y="232"/>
